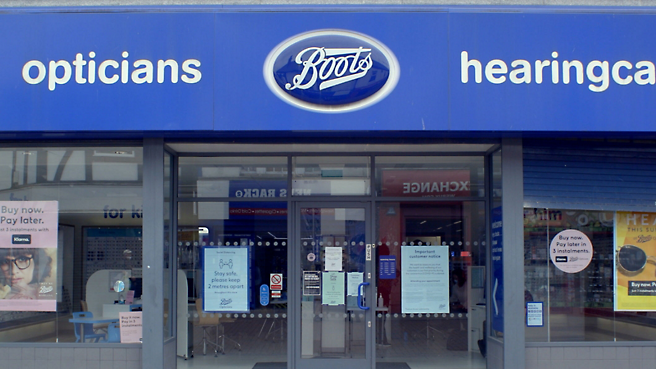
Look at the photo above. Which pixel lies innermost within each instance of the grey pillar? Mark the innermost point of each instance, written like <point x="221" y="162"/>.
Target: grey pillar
<point x="512" y="179"/>
<point x="153" y="254"/>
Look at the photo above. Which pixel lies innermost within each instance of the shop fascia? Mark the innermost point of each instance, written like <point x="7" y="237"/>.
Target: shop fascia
<point x="598" y="72"/>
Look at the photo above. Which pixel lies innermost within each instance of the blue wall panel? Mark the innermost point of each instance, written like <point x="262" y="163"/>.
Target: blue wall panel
<point x="98" y="106"/>
<point x="419" y="101"/>
<point x="551" y="106"/>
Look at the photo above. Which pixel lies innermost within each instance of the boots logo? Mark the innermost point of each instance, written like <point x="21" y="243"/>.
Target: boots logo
<point x="331" y="71"/>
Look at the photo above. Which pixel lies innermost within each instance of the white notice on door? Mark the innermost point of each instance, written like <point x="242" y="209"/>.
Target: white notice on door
<point x="333" y="259"/>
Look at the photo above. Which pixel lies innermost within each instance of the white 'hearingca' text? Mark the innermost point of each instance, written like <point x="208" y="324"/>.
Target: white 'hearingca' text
<point x="599" y="73"/>
<point x="109" y="71"/>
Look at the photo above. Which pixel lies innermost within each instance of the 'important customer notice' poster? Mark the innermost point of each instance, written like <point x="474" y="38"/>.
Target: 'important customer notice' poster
<point x="635" y="255"/>
<point x="28" y="255"/>
<point x="225" y="279"/>
<point x="424" y="279"/>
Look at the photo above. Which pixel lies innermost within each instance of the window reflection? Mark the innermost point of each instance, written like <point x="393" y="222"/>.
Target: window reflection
<point x="260" y="230"/>
<point x="243" y="177"/>
<point x="331" y="176"/>
<point x="455" y="230"/>
<point x="97" y="192"/>
<point x="438" y="177"/>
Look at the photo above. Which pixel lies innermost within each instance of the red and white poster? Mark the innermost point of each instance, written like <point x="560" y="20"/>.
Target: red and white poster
<point x="28" y="255"/>
<point x="276" y="281"/>
<point x="426" y="183"/>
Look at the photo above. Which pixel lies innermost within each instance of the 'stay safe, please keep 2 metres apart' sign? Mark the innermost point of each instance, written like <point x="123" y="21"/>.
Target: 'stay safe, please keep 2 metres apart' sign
<point x="225" y="279"/>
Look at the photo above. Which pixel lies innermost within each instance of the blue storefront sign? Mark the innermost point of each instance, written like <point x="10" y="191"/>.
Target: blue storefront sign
<point x="438" y="69"/>
<point x="106" y="71"/>
<point x="570" y="72"/>
<point x="497" y="270"/>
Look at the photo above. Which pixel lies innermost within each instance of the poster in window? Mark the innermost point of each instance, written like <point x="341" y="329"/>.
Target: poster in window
<point x="28" y="255"/>
<point x="332" y="291"/>
<point x="353" y="281"/>
<point x="571" y="251"/>
<point x="635" y="261"/>
<point x="311" y="283"/>
<point x="226" y="279"/>
<point x="534" y="314"/>
<point x="130" y="326"/>
<point x="333" y="259"/>
<point x="424" y="279"/>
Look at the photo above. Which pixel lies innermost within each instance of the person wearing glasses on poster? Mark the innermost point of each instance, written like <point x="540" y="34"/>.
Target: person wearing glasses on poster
<point x="23" y="270"/>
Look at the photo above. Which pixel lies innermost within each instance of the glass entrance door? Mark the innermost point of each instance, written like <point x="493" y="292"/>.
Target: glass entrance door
<point x="337" y="300"/>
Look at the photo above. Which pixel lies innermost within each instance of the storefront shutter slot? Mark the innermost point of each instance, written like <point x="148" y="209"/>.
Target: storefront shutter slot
<point x="591" y="176"/>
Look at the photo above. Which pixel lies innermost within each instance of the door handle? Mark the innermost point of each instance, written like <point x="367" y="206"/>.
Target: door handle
<point x="360" y="286"/>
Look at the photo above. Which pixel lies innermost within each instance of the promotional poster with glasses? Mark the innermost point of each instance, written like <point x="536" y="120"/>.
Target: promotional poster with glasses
<point x="635" y="261"/>
<point x="28" y="255"/>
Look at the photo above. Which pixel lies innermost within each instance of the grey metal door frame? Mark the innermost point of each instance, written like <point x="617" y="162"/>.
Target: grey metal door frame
<point x="295" y="285"/>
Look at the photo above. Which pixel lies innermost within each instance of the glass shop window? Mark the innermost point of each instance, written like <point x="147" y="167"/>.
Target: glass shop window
<point x="590" y="275"/>
<point x="70" y="243"/>
<point x="227" y="252"/>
